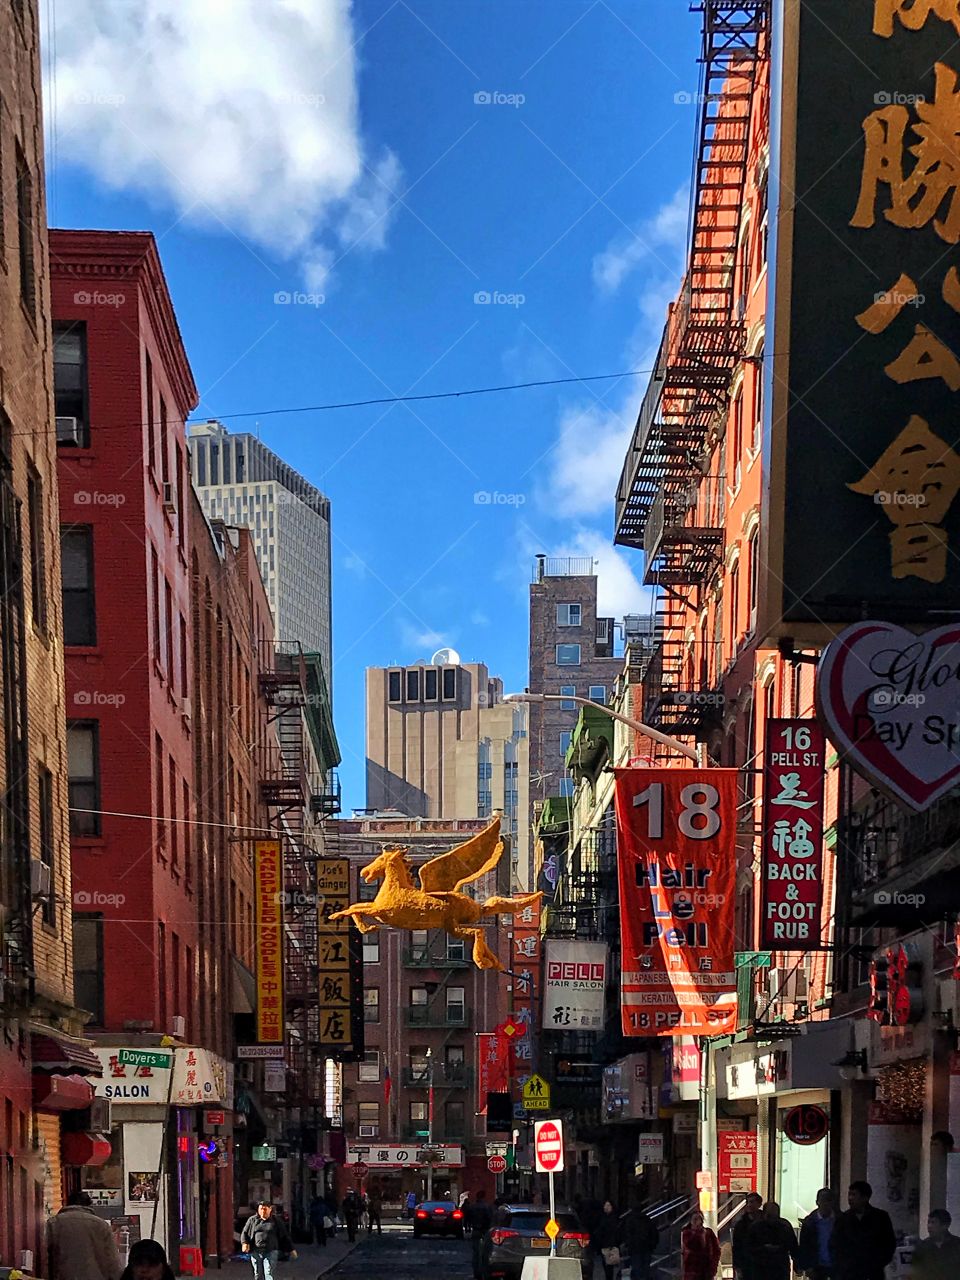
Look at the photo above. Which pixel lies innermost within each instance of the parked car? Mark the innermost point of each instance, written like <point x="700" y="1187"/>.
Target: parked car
<point x="437" y="1218"/>
<point x="520" y="1234"/>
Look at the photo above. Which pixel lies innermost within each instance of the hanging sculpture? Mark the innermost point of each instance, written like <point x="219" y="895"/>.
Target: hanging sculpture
<point x="437" y="903"/>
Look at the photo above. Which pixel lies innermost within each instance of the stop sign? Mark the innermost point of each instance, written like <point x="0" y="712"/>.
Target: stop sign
<point x="497" y="1164"/>
<point x="360" y="1169"/>
<point x="548" y="1146"/>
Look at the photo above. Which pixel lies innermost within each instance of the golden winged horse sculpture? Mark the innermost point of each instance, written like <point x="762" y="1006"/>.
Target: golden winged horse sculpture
<point x="438" y="903"/>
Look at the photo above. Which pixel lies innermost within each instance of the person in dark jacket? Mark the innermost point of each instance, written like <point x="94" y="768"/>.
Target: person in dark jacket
<point x="479" y="1220"/>
<point x="607" y="1238"/>
<point x="147" y="1261"/>
<point x="319" y="1212"/>
<point x="264" y="1237"/>
<point x="814" y="1257"/>
<point x="752" y="1208"/>
<point x="863" y="1240"/>
<point x="351" y="1209"/>
<point x="772" y="1243"/>
<point x="640" y="1238"/>
<point x="937" y="1257"/>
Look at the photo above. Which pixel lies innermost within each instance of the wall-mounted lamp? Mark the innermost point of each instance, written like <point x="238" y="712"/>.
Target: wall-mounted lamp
<point x="853" y="1064"/>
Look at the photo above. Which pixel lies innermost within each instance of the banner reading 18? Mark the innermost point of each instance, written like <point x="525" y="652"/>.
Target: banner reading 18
<point x="676" y="834"/>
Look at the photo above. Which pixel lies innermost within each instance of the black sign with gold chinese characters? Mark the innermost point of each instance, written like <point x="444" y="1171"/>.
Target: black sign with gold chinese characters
<point x="864" y="465"/>
<point x="340" y="964"/>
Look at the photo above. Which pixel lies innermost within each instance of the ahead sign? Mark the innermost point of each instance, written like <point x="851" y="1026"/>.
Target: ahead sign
<point x="548" y="1146"/>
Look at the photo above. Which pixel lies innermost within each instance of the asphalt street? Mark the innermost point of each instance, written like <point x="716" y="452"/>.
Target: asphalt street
<point x="398" y="1256"/>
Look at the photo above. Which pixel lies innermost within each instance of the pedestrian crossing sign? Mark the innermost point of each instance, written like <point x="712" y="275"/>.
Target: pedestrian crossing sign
<point x="536" y="1094"/>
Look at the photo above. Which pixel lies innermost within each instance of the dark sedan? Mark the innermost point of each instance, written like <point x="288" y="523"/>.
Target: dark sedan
<point x="437" y="1218"/>
<point x="520" y="1233"/>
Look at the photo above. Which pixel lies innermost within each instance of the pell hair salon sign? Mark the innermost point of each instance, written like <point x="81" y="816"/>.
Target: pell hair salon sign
<point x="890" y="701"/>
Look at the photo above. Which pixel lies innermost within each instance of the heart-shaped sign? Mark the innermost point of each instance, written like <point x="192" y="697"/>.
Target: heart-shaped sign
<point x="890" y="701"/>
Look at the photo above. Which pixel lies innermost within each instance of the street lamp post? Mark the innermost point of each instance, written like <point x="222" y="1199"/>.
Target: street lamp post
<point x="430" y="1124"/>
<point x="674" y="744"/>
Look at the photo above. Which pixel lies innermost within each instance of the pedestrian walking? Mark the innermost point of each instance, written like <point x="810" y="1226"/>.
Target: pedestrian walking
<point x="752" y="1208"/>
<point x="264" y="1237"/>
<point x="80" y="1244"/>
<point x="411" y="1203"/>
<point x="640" y="1238"/>
<point x="699" y="1249"/>
<point x="937" y="1257"/>
<point x="479" y="1220"/>
<point x="772" y="1243"/>
<point x="351" y="1213"/>
<point x="863" y="1240"/>
<point x="147" y="1261"/>
<point x="374" y="1209"/>
<point x="319" y="1217"/>
<point x="815" y="1256"/>
<point x="607" y="1239"/>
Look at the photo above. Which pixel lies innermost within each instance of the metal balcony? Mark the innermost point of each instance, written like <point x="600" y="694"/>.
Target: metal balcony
<point x="427" y="1015"/>
<point x="424" y="958"/>
<point x="677" y="552"/>
<point x="445" y="1076"/>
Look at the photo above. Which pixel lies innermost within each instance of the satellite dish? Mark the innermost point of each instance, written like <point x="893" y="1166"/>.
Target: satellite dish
<point x="446" y="658"/>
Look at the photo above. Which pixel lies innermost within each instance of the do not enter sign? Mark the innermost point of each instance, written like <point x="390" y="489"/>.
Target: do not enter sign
<point x="548" y="1146"/>
<point x="806" y="1125"/>
<point x="497" y="1164"/>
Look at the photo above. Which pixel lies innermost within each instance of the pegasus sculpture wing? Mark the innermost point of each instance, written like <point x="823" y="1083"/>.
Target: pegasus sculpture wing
<point x="464" y="864"/>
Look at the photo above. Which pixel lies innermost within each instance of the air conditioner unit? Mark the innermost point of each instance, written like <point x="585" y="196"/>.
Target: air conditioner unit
<point x="169" y="497"/>
<point x="368" y="1130"/>
<point x="41" y="879"/>
<point x="68" y="430"/>
<point x="178" y="1026"/>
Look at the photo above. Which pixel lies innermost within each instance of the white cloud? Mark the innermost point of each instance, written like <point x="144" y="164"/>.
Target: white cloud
<point x="479" y="619"/>
<point x="658" y="240"/>
<point x="619" y="591"/>
<point x="354" y="563"/>
<point x="421" y="639"/>
<point x="240" y="116"/>
<point x="588" y="457"/>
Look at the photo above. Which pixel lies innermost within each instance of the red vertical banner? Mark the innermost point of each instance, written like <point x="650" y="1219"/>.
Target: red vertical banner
<point x="791" y="855"/>
<point x="492" y="1067"/>
<point x="526" y="960"/>
<point x="676" y="833"/>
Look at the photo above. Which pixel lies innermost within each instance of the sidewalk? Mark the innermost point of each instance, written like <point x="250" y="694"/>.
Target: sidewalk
<point x="312" y="1261"/>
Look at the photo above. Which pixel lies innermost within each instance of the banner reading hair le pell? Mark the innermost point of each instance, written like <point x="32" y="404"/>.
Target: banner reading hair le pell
<point x="676" y="832"/>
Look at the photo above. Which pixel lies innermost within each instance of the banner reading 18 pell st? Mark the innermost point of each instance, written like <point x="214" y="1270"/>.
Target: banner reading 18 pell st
<point x="676" y="832"/>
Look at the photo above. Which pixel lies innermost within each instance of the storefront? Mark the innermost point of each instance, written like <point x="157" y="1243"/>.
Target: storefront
<point x="398" y="1170"/>
<point x="64" y="1071"/>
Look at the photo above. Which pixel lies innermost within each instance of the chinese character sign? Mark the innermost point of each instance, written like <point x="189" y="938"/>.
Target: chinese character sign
<point x="865" y="469"/>
<point x="525" y="963"/>
<point x="676" y="833"/>
<point x="791" y="855"/>
<point x="493" y="1066"/>
<point x="574" y="988"/>
<point x="736" y="1162"/>
<point x="340" y="973"/>
<point x="268" y="868"/>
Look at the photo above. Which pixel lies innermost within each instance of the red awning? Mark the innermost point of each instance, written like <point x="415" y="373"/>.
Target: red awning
<point x="61" y="1093"/>
<point x="64" y="1053"/>
<point x="90" y="1149"/>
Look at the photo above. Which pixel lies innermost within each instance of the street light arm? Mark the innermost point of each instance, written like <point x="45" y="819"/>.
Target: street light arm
<point x="674" y="744"/>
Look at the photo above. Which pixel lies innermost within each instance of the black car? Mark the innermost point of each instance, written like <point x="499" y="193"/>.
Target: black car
<point x="437" y="1218"/>
<point x="520" y="1233"/>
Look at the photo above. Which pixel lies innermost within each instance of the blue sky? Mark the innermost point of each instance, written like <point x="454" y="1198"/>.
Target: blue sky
<point x="312" y="151"/>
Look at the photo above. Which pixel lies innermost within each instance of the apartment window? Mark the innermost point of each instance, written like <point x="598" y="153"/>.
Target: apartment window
<point x="737" y="441"/>
<point x="76" y="560"/>
<point x="70" y="382"/>
<point x="753" y="568"/>
<point x="567" y="693"/>
<point x="88" y="965"/>
<point x="38" y="557"/>
<point x="187" y="825"/>
<point x="28" y="284"/>
<point x="181" y="502"/>
<point x="83" y="770"/>
<point x="164" y="443"/>
<point x="413" y="686"/>
<point x="159" y="755"/>
<point x="456" y="949"/>
<point x="568" y="655"/>
<point x="598" y="693"/>
<point x="448" y="684"/>
<point x="155" y="587"/>
<point x="565" y="742"/>
<point x="568" y="615"/>
<point x="419" y="1113"/>
<point x="168" y="629"/>
<point x="456" y="1007"/>
<point x="757" y="400"/>
<point x="454" y="1060"/>
<point x="174" y="825"/>
<point x="430" y="684"/>
<point x="46" y="842"/>
<point x="419" y="1062"/>
<point x="484" y="771"/>
<point x="151" y="421"/>
<point x="484" y="804"/>
<point x="394" y="691"/>
<point x="368" y="1071"/>
<point x="368" y="1114"/>
<point x="184" y="656"/>
<point x="162" y="970"/>
<point x="366" y="890"/>
<point x="454" y="1119"/>
<point x="371" y="1004"/>
<point x="763" y="222"/>
<point x="419" y="942"/>
<point x="418" y="997"/>
<point x="371" y="950"/>
<point x="734" y="604"/>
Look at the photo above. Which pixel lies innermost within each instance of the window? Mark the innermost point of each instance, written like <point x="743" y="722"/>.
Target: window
<point x="419" y="1062"/>
<point x="83" y="770"/>
<point x="88" y="965"/>
<point x="76" y="557"/>
<point x="568" y="691"/>
<point x="753" y="568"/>
<point x="413" y="686"/>
<point x="162" y="969"/>
<point x="568" y="615"/>
<point x="484" y="804"/>
<point x="484" y="771"/>
<point x="181" y="506"/>
<point x="151" y="424"/>
<point x="454" y="1120"/>
<point x="419" y="1113"/>
<point x="28" y="286"/>
<point x="568" y="655"/>
<point x="454" y="1061"/>
<point x="38" y="557"/>
<point x="455" y="949"/>
<point x="456" y="1009"/>
<point x="366" y="891"/>
<point x="371" y="1004"/>
<point x="187" y="825"/>
<point x="598" y="693"/>
<point x="159" y="755"/>
<point x="757" y="400"/>
<point x="449" y="684"/>
<point x="168" y="629"/>
<point x="368" y="1114"/>
<point x="419" y="942"/>
<point x="174" y="824"/>
<point x="371" y="950"/>
<point x="393" y="686"/>
<point x="565" y="742"/>
<point x="164" y="443"/>
<point x="70" y="380"/>
<point x="46" y="841"/>
<point x="430" y="684"/>
<point x="737" y="441"/>
<point x="734" y="605"/>
<point x="183" y="656"/>
<point x="368" y="1071"/>
<point x="418" y="997"/>
<point x="155" y="589"/>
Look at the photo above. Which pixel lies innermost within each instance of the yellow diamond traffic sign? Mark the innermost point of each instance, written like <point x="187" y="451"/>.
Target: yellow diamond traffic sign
<point x="536" y="1094"/>
<point x="552" y="1228"/>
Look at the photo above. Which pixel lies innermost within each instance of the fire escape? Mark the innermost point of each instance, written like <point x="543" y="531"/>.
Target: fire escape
<point x="668" y="505"/>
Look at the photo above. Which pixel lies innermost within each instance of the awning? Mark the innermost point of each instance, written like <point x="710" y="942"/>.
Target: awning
<point x="60" y="1052"/>
<point x="61" y="1093"/>
<point x="87" y="1149"/>
<point x="243" y="988"/>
